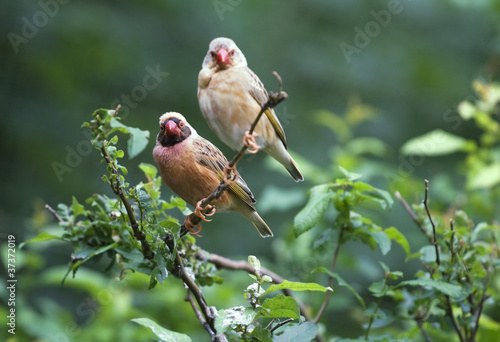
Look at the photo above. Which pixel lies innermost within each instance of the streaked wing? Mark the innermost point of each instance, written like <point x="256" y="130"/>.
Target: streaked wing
<point x="259" y="93"/>
<point x="212" y="158"/>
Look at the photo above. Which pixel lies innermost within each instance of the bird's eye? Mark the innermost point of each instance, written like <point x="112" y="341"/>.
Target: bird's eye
<point x="232" y="52"/>
<point x="214" y="55"/>
<point x="181" y="124"/>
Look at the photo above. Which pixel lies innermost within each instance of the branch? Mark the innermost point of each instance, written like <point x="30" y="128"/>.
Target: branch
<point x="412" y="214"/>
<point x="273" y="100"/>
<point x="118" y="190"/>
<point x="241" y="265"/>
<point x="53" y="212"/>
<point x="209" y="314"/>
<point x="434" y="241"/>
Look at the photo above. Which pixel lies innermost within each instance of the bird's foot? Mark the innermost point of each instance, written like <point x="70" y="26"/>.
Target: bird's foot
<point x="230" y="174"/>
<point x="198" y="211"/>
<point x="190" y="226"/>
<point x="249" y="140"/>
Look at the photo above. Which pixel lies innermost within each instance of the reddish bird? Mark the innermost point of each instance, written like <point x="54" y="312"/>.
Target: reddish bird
<point x="231" y="96"/>
<point x="193" y="168"/>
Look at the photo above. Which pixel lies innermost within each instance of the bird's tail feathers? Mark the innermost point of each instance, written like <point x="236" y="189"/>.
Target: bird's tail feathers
<point x="261" y="226"/>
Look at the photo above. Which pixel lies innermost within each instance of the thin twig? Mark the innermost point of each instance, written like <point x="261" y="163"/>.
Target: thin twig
<point x="449" y="309"/>
<point x="412" y="214"/>
<point x="423" y="331"/>
<point x="198" y="314"/>
<point x="53" y="212"/>
<point x="273" y="100"/>
<point x="330" y="278"/>
<point x="280" y="324"/>
<point x="434" y="242"/>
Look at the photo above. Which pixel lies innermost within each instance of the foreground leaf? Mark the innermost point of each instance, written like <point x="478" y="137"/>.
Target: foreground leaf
<point x="297" y="333"/>
<point x="314" y="210"/>
<point x="280" y="306"/>
<point x="296" y="286"/>
<point x="162" y="333"/>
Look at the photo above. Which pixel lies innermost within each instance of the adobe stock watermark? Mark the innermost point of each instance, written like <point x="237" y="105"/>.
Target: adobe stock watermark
<point x="32" y="25"/>
<point x="75" y="154"/>
<point x="363" y="36"/>
<point x="223" y="6"/>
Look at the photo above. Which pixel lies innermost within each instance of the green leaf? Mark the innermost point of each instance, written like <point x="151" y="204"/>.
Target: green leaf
<point x="382" y="241"/>
<point x="394" y="234"/>
<point x="486" y="178"/>
<point x="451" y="290"/>
<point x="261" y="334"/>
<point x="137" y="141"/>
<point x="434" y="143"/>
<point x="280" y="306"/>
<point x="149" y="170"/>
<point x="162" y="333"/>
<point x="296" y="286"/>
<point x="238" y="315"/>
<point x="43" y="236"/>
<point x="314" y="210"/>
<point x="342" y="282"/>
<point x="78" y="209"/>
<point x="252" y="260"/>
<point x="351" y="176"/>
<point x="302" y="332"/>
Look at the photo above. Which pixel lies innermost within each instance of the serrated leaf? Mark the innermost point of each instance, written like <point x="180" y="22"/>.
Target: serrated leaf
<point x="342" y="282"/>
<point x="43" y="236"/>
<point x="434" y="143"/>
<point x="451" y="290"/>
<point x="296" y="286"/>
<point x="302" y="332"/>
<point x="162" y="333"/>
<point x="280" y="306"/>
<point x="314" y="210"/>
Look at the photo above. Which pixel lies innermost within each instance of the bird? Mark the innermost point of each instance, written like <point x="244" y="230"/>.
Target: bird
<point x="231" y="95"/>
<point x="193" y="168"/>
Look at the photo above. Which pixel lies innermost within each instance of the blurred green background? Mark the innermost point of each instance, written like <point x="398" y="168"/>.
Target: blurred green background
<point x="60" y="61"/>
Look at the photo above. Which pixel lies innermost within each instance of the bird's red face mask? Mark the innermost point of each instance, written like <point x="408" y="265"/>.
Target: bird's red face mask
<point x="171" y="128"/>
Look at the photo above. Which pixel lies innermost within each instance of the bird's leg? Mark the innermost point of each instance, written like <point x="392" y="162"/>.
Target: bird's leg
<point x="190" y="226"/>
<point x="249" y="140"/>
<point x="198" y="210"/>
<point x="230" y="174"/>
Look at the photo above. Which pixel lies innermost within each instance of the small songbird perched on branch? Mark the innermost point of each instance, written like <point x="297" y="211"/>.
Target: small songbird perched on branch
<point x="193" y="168"/>
<point x="231" y="96"/>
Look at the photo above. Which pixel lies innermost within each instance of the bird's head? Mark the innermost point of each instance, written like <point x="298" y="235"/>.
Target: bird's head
<point x="223" y="54"/>
<point x="174" y="129"/>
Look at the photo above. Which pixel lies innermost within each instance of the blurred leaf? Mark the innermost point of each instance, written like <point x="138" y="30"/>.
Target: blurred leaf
<point x="252" y="260"/>
<point x="466" y="110"/>
<point x="451" y="290"/>
<point x="314" y="210"/>
<point x="486" y="178"/>
<point x="351" y="176"/>
<point x="149" y="170"/>
<point x="43" y="236"/>
<point x="434" y="143"/>
<point x="394" y="234"/>
<point x="382" y="241"/>
<point x="367" y="145"/>
<point x="342" y="282"/>
<point x="302" y="332"/>
<point x="335" y="123"/>
<point x="162" y="333"/>
<point x="275" y="199"/>
<point x="280" y="306"/>
<point x="296" y="286"/>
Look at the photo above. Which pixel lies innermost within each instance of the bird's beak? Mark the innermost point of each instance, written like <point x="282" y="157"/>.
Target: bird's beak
<point x="171" y="128"/>
<point x="223" y="56"/>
